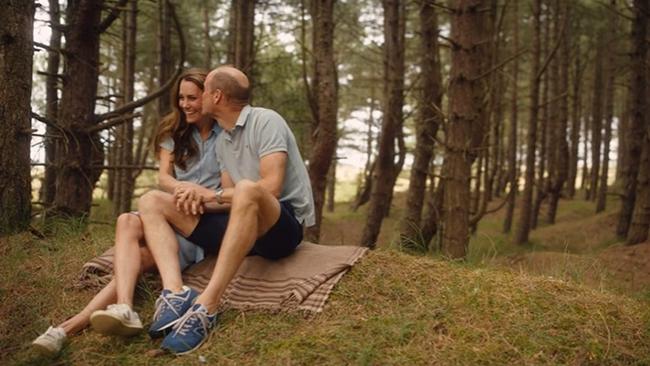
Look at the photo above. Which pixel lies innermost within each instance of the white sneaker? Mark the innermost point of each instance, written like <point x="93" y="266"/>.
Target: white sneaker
<point x="50" y="342"/>
<point x="117" y="319"/>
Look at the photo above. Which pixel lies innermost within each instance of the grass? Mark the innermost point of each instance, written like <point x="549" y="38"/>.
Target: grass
<point x="391" y="309"/>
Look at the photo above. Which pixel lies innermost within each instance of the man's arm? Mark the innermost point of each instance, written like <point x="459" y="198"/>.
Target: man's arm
<point x="272" y="171"/>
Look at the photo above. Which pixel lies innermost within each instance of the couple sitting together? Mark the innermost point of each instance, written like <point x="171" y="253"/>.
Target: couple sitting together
<point x="233" y="184"/>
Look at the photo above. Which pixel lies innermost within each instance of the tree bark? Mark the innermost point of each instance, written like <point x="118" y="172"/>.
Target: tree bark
<point x="16" y="53"/>
<point x="165" y="58"/>
<point x="384" y="177"/>
<point x="610" y="74"/>
<point x="52" y="103"/>
<point x="560" y="147"/>
<point x="638" y="231"/>
<point x="324" y="128"/>
<point x="127" y="178"/>
<point x="242" y="35"/>
<point x="513" y="167"/>
<point x="464" y="133"/>
<point x="331" y="187"/>
<point x="432" y="212"/>
<point x="541" y="190"/>
<point x="76" y="178"/>
<point x="638" y="117"/>
<point x="575" y="114"/>
<point x="597" y="119"/>
<point x="427" y="124"/>
<point x="585" y="157"/>
<point x="523" y="228"/>
<point x="207" y="41"/>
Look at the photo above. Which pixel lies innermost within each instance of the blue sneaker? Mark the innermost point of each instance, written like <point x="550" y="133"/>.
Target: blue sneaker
<point x="169" y="309"/>
<point x="190" y="331"/>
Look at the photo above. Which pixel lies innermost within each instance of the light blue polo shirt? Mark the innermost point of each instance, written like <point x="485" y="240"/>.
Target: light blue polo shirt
<point x="203" y="170"/>
<point x="259" y="132"/>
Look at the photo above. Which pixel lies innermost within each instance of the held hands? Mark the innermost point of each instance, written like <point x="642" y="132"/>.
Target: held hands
<point x="188" y="198"/>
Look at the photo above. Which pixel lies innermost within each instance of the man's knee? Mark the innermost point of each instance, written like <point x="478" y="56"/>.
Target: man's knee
<point x="247" y="191"/>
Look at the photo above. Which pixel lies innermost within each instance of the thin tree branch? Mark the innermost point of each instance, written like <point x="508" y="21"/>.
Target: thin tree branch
<point x="45" y="73"/>
<point x="113" y="122"/>
<point x="125" y="167"/>
<point x="499" y="65"/>
<point x="112" y="16"/>
<point x="137" y="103"/>
<point x="48" y="122"/>
<point x="453" y="43"/>
<point x="552" y="54"/>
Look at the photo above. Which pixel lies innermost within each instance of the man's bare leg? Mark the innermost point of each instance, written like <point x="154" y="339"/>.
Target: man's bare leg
<point x="253" y="212"/>
<point x="158" y="213"/>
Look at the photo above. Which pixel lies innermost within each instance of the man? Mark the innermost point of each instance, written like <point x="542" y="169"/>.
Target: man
<point x="266" y="192"/>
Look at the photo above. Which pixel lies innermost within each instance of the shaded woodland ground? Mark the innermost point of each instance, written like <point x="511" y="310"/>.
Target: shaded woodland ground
<point x="574" y="296"/>
<point x="581" y="246"/>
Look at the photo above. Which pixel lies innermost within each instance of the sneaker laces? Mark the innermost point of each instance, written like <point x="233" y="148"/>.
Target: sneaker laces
<point x="188" y="321"/>
<point x="168" y="300"/>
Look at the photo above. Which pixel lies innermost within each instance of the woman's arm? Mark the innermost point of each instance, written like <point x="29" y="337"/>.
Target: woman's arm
<point x="166" y="180"/>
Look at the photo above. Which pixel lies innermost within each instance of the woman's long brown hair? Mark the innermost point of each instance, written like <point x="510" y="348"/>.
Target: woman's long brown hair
<point x="174" y="124"/>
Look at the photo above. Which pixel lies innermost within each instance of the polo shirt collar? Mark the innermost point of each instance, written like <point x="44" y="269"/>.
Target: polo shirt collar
<point x="243" y="116"/>
<point x="216" y="128"/>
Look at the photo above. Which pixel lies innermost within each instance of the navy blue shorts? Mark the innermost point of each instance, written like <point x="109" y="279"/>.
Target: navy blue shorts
<point x="280" y="241"/>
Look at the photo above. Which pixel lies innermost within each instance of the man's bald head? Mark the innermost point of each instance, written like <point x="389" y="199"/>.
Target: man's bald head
<point x="232" y="82"/>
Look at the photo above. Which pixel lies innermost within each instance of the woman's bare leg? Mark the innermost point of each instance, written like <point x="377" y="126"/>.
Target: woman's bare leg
<point x="130" y="260"/>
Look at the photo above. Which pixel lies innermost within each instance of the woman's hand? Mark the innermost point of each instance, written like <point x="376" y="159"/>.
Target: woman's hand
<point x="188" y="198"/>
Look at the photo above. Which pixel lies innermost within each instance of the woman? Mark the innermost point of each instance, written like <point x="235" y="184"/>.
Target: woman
<point x="185" y="146"/>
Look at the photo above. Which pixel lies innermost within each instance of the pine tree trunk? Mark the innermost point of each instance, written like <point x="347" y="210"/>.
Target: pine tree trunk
<point x="52" y="104"/>
<point x="585" y="157"/>
<point x="432" y="212"/>
<point x="242" y="35"/>
<point x="610" y="74"/>
<point x="384" y="177"/>
<point x="622" y="134"/>
<point x="575" y="117"/>
<point x="638" y="232"/>
<point x="513" y="166"/>
<point x="597" y="120"/>
<point x="638" y="115"/>
<point x="165" y="61"/>
<point x="76" y="177"/>
<point x="207" y="41"/>
<point x="523" y="228"/>
<point x="325" y="91"/>
<point x="542" y="183"/>
<point x="561" y="89"/>
<point x="127" y="181"/>
<point x="331" y="187"/>
<point x="426" y="127"/>
<point x="464" y="132"/>
<point x="16" y="52"/>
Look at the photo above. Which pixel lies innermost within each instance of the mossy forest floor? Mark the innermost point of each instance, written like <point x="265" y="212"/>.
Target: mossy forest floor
<point x="574" y="296"/>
